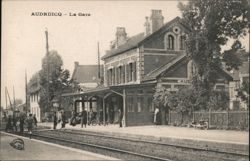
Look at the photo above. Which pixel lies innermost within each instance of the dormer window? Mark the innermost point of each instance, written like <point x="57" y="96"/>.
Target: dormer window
<point x="170" y="44"/>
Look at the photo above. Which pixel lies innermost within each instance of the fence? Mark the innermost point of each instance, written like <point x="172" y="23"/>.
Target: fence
<point x="222" y="120"/>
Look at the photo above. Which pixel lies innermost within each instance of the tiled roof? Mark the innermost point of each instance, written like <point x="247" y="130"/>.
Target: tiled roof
<point x="176" y="19"/>
<point x="86" y="73"/>
<point x="153" y="62"/>
<point x="130" y="44"/>
<point x="153" y="74"/>
<point x="134" y="41"/>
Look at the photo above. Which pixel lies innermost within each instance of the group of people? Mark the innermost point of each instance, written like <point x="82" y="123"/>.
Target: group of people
<point x="80" y="118"/>
<point x="16" y="123"/>
<point x="59" y="119"/>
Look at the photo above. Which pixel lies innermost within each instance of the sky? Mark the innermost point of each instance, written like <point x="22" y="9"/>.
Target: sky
<point x="75" y="38"/>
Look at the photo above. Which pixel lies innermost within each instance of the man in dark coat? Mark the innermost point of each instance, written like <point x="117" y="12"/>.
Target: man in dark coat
<point x="21" y="120"/>
<point x="14" y="122"/>
<point x="9" y="124"/>
<point x="30" y="122"/>
<point x="35" y="120"/>
<point x="63" y="119"/>
<point x="54" y="120"/>
<point x="84" y="118"/>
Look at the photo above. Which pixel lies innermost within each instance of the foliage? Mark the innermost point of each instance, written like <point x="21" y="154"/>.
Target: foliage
<point x="33" y="84"/>
<point x="219" y="101"/>
<point x="18" y="101"/>
<point x="184" y="100"/>
<point x="212" y="24"/>
<point x="187" y="100"/>
<point x="243" y="92"/>
<point x="55" y="81"/>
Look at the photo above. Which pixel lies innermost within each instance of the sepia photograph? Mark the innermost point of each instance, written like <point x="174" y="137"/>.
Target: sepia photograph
<point x="164" y="80"/>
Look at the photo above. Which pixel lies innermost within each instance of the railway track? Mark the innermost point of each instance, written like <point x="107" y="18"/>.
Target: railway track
<point x="133" y="149"/>
<point x="225" y="151"/>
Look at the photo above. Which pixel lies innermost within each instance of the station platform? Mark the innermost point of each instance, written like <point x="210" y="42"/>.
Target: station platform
<point x="40" y="150"/>
<point x="219" y="136"/>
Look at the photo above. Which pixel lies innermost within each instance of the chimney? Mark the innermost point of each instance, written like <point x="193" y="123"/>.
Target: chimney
<point x="156" y="20"/>
<point x="76" y="64"/>
<point x="121" y="36"/>
<point x="147" y="27"/>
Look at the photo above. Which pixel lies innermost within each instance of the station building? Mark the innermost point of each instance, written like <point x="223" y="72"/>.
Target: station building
<point x="34" y="96"/>
<point x="134" y="66"/>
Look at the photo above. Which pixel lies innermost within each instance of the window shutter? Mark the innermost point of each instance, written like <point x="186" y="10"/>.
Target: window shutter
<point x="127" y="73"/>
<point x="134" y="71"/>
<point x="122" y="74"/>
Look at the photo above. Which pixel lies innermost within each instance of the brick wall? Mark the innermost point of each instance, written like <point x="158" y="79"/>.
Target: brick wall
<point x="139" y="118"/>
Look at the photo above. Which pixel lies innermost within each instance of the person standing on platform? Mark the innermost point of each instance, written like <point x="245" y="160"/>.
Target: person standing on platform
<point x="155" y="115"/>
<point x="35" y="120"/>
<point x="54" y="120"/>
<point x="30" y="122"/>
<point x="21" y="120"/>
<point x="84" y="118"/>
<point x="14" y="121"/>
<point x="63" y="119"/>
<point x="9" y="124"/>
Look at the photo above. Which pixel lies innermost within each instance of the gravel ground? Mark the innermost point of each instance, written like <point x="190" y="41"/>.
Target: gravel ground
<point x="40" y="151"/>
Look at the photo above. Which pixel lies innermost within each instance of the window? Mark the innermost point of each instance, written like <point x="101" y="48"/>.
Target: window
<point x="150" y="104"/>
<point x="245" y="79"/>
<point x="127" y="73"/>
<point x="113" y="76"/>
<point x="119" y="75"/>
<point x="134" y="71"/>
<point x="110" y="77"/>
<point x="130" y="72"/>
<point x="130" y="102"/>
<point x="170" y="45"/>
<point x="220" y="87"/>
<point x="182" y="42"/>
<point x="139" y="103"/>
<point x="231" y="92"/>
<point x="122" y="74"/>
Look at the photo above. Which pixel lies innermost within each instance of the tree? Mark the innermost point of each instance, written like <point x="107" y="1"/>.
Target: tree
<point x="183" y="101"/>
<point x="218" y="100"/>
<point x="18" y="101"/>
<point x="212" y="24"/>
<point x="243" y="92"/>
<point x="161" y="100"/>
<point x="54" y="80"/>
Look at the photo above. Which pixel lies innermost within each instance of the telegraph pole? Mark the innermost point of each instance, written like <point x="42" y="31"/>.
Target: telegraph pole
<point x="14" y="102"/>
<point x="26" y="92"/>
<point x="99" y="68"/>
<point x="6" y="97"/>
<point x="47" y="57"/>
<point x="11" y="107"/>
